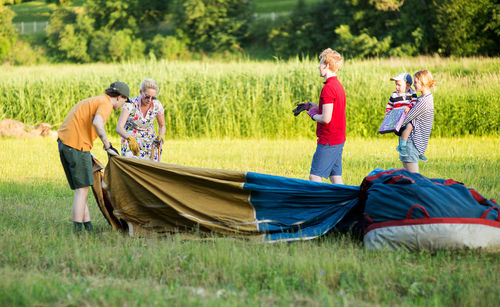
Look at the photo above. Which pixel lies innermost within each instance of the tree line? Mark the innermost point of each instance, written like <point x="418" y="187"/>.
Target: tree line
<point x="114" y="31"/>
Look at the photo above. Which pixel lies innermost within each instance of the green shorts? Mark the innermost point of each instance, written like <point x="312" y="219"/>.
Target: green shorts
<point x="77" y="165"/>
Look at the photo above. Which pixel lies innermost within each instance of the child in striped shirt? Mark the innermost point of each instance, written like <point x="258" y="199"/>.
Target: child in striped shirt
<point x="403" y="97"/>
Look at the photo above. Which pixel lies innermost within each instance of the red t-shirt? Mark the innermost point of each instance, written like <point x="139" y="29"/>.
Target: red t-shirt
<point x="332" y="133"/>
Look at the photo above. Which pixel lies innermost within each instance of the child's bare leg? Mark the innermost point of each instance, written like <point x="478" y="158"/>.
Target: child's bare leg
<point x="406" y="133"/>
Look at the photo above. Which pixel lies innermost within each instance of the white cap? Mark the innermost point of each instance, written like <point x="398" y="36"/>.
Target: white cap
<point x="403" y="76"/>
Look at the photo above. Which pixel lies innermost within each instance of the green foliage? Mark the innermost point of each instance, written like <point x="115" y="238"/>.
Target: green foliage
<point x="10" y="2"/>
<point x="68" y="35"/>
<point x="8" y="33"/>
<point x="112" y="15"/>
<point x="168" y="47"/>
<point x="4" y="47"/>
<point x="212" y="26"/>
<point x="357" y="28"/>
<point x="99" y="47"/>
<point x="137" y="16"/>
<point x="123" y="46"/>
<point x="309" y="28"/>
<point x="105" y="31"/>
<point x="361" y="45"/>
<point x="224" y="28"/>
<point x="468" y="27"/>
<point x="6" y="29"/>
<point x="23" y="53"/>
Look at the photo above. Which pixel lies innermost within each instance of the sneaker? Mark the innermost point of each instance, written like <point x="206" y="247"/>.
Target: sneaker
<point x="402" y="151"/>
<point x="88" y="227"/>
<point x="423" y="158"/>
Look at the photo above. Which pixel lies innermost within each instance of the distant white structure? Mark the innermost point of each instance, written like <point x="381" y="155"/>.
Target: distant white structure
<point x="31" y="27"/>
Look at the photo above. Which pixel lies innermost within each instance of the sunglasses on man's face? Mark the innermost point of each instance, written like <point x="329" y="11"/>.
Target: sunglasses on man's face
<point x="147" y="97"/>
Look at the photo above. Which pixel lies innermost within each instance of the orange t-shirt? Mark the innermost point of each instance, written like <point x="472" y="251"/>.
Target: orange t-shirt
<point x="77" y="130"/>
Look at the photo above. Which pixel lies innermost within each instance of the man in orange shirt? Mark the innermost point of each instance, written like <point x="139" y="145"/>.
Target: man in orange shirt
<point x="76" y="137"/>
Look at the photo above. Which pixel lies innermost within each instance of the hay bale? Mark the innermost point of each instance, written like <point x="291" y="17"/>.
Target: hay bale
<point x="15" y="128"/>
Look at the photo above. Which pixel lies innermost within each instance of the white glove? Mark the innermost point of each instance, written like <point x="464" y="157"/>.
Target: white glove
<point x="111" y="150"/>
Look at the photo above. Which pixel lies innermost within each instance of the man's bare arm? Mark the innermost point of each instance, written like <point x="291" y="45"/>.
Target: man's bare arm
<point x="98" y="123"/>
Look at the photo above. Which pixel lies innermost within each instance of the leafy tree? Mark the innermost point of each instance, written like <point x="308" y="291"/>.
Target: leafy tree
<point x="168" y="47"/>
<point x="362" y="45"/>
<point x="10" y="2"/>
<point x="357" y="28"/>
<point x="212" y="25"/>
<point x="135" y="15"/>
<point x="309" y="28"/>
<point x="8" y="33"/>
<point x="468" y="27"/>
<point x="98" y="49"/>
<point x="124" y="46"/>
<point x="68" y="35"/>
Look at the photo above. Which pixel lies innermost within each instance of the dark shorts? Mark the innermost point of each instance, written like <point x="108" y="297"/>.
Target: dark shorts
<point x="398" y="133"/>
<point x="327" y="160"/>
<point x="77" y="165"/>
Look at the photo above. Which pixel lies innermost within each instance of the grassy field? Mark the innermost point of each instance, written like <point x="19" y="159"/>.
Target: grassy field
<point x="37" y="10"/>
<point x="33" y="11"/>
<point x="254" y="99"/>
<point x="277" y="6"/>
<point x="42" y="263"/>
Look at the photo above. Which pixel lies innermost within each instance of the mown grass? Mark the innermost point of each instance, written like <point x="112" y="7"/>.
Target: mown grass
<point x="277" y="6"/>
<point x="42" y="263"/>
<point x="254" y="99"/>
<point x="33" y="11"/>
<point x="37" y="10"/>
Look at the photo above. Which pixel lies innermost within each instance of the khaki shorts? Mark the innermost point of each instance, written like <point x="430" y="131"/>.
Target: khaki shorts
<point x="77" y="165"/>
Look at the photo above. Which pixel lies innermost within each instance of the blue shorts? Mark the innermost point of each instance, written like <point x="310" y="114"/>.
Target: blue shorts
<point x="327" y="161"/>
<point x="412" y="152"/>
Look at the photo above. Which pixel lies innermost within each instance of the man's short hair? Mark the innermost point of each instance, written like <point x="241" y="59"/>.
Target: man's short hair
<point x="332" y="58"/>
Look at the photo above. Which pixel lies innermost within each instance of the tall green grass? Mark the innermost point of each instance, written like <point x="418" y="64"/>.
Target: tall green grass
<point x="43" y="264"/>
<point x="254" y="99"/>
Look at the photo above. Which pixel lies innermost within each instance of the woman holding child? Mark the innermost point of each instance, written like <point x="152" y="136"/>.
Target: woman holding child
<point x="421" y="117"/>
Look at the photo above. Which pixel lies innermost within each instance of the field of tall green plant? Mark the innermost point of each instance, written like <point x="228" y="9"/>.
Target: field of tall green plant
<point x="254" y="99"/>
<point x="42" y="263"/>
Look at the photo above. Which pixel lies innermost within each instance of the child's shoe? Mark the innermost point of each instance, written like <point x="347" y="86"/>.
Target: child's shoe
<point x="402" y="151"/>
<point x="423" y="158"/>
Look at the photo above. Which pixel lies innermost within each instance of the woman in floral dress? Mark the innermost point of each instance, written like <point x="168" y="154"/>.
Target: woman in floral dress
<point x="136" y="124"/>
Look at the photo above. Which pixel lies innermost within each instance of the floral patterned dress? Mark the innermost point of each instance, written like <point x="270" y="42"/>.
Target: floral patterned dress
<point x="142" y="127"/>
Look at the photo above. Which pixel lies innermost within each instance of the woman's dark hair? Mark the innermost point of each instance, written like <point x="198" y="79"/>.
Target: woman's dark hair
<point x="111" y="92"/>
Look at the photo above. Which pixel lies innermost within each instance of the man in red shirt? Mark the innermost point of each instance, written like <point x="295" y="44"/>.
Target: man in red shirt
<point x="330" y="115"/>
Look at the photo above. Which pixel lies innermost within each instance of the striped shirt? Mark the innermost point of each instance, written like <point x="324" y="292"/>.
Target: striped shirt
<point x="421" y="117"/>
<point x="398" y="100"/>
